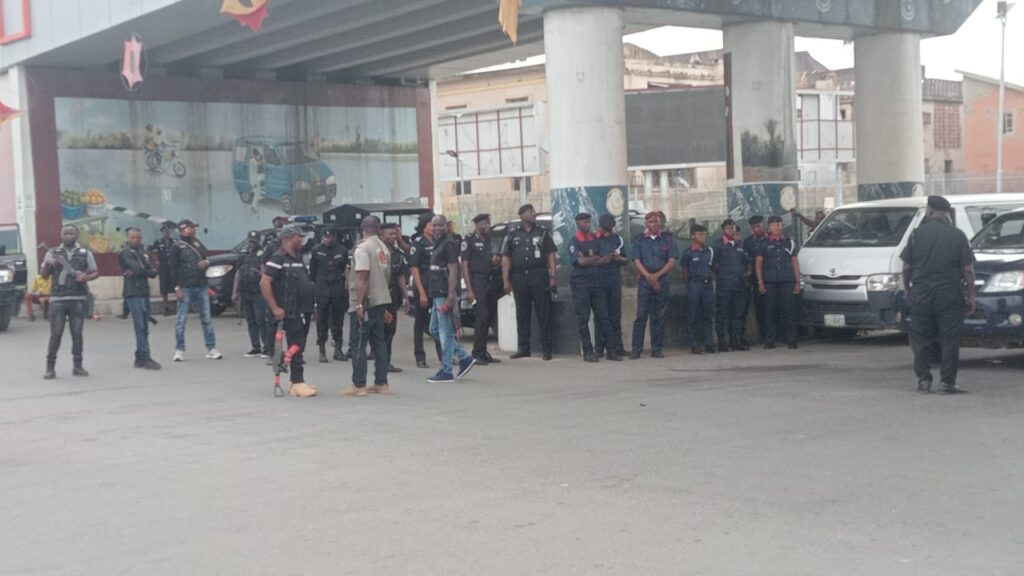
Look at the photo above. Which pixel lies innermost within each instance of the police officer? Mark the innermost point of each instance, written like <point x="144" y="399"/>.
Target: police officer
<point x="612" y="247"/>
<point x="750" y="246"/>
<point x="778" y="280"/>
<point x="587" y="292"/>
<point x="162" y="248"/>
<point x="327" y="271"/>
<point x="290" y="295"/>
<point x="398" y="283"/>
<point x="72" y="267"/>
<point x="529" y="268"/>
<point x="731" y="269"/>
<point x="697" y="262"/>
<point x="246" y="295"/>
<point x="419" y="264"/>
<point x="481" y="269"/>
<point x="654" y="253"/>
<point x="938" y="265"/>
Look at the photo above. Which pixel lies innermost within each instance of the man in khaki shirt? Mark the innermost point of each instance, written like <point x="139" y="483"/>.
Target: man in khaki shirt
<point x="372" y="264"/>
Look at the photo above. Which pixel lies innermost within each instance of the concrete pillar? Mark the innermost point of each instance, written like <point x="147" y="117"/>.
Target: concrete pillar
<point x="761" y="119"/>
<point x="586" y="114"/>
<point x="17" y="187"/>
<point x="887" y="104"/>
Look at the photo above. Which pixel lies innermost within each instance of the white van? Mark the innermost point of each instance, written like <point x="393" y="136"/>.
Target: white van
<point x="850" y="266"/>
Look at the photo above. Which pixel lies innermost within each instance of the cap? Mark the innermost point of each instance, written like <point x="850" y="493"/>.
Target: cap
<point x="938" y="203"/>
<point x="186" y="223"/>
<point x="253" y="235"/>
<point x="652" y="216"/>
<point x="168" y="225"/>
<point x="697" y="228"/>
<point x="279" y="219"/>
<point x="755" y="220"/>
<point x="480" y="218"/>
<point x="728" y="222"/>
<point x="583" y="216"/>
<point x="330" y="232"/>
<point x="606" y="221"/>
<point x="525" y="207"/>
<point x="289" y="231"/>
<point x="774" y="219"/>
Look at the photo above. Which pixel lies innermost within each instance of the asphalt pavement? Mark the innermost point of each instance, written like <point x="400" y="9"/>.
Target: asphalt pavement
<point x="818" y="461"/>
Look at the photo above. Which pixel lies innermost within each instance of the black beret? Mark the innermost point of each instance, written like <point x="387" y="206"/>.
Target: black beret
<point x="583" y="216"/>
<point x="697" y="228"/>
<point x="168" y="225"/>
<point x="330" y="232"/>
<point x="480" y="218"/>
<point x="186" y="223"/>
<point x="607" y="221"/>
<point x="253" y="235"/>
<point x="938" y="203"/>
<point x="525" y="207"/>
<point x="755" y="220"/>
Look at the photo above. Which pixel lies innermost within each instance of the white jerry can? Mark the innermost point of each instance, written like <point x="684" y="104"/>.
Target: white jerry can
<point x="508" y="337"/>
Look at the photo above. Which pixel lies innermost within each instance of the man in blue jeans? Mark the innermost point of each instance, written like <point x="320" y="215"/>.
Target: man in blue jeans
<point x="137" y="269"/>
<point x="369" y="298"/>
<point x="189" y="264"/>
<point x="444" y="279"/>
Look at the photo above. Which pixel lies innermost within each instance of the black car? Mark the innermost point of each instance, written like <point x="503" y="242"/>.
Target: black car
<point x="999" y="281"/>
<point x="13" y="273"/>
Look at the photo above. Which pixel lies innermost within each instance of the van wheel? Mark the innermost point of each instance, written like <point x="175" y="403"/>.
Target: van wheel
<point x="246" y="197"/>
<point x="287" y="204"/>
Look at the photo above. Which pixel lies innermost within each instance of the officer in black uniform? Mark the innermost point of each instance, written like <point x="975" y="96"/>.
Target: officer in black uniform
<point x="731" y="269"/>
<point x="290" y="295"/>
<point x="398" y="283"/>
<point x="587" y="291"/>
<point x="778" y="279"/>
<point x="72" y="267"/>
<point x="938" y="278"/>
<point x="481" y="269"/>
<point x="246" y="295"/>
<point x="163" y="247"/>
<point x="697" y="261"/>
<point x="612" y="247"/>
<point x="529" y="268"/>
<point x="750" y="246"/>
<point x="327" y="271"/>
<point x="419" y="264"/>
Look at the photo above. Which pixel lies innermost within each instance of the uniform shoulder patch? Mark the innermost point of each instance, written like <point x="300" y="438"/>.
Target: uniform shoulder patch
<point x="464" y="245"/>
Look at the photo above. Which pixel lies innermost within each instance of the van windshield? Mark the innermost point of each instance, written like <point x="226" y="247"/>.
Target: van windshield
<point x="863" y="228"/>
<point x="10" y="241"/>
<point x="1005" y="233"/>
<point x="292" y="154"/>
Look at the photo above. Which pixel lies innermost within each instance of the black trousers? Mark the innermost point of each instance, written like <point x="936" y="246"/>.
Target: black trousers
<point x="731" y="315"/>
<point x="587" y="296"/>
<point x="612" y="293"/>
<point x="532" y="293"/>
<point x="62" y="312"/>
<point x="756" y="300"/>
<point x="779" y="312"/>
<point x="330" y="316"/>
<point x="421" y="326"/>
<point x="371" y="336"/>
<point x="487" y="289"/>
<point x="296" y="330"/>
<point x="936" y="316"/>
<point x="391" y="329"/>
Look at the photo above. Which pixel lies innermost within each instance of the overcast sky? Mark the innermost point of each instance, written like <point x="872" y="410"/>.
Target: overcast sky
<point x="974" y="48"/>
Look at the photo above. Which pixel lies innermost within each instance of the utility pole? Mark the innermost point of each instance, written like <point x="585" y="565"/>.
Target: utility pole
<point x="1002" y="9"/>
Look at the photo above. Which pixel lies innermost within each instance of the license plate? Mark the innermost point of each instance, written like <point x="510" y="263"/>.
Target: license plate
<point x="835" y="320"/>
<point x="321" y="199"/>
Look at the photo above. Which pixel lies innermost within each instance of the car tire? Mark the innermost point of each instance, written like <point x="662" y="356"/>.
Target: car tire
<point x="5" y="317"/>
<point x="287" y="204"/>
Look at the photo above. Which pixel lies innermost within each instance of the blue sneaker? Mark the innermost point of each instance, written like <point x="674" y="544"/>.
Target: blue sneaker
<point x="440" y="377"/>
<point x="465" y="365"/>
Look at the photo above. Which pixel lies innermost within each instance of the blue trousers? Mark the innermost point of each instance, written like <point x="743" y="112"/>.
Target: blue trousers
<point x="731" y="318"/>
<point x="611" y="340"/>
<point x="370" y="334"/>
<point x="443" y="330"/>
<point x="653" y="305"/>
<point x="780" y="312"/>
<point x="198" y="296"/>
<point x="700" y="313"/>
<point x="139" y="308"/>
<point x="587" y="296"/>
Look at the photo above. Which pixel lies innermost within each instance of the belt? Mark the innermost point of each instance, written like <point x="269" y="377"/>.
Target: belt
<point x="700" y="280"/>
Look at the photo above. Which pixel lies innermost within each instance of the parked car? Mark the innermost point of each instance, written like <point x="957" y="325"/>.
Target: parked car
<point x="850" y="267"/>
<point x="13" y="273"/>
<point x="287" y="172"/>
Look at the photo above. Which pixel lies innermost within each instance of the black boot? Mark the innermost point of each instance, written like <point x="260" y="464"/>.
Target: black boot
<point x="50" y="373"/>
<point x="78" y="370"/>
<point x="323" y="354"/>
<point x="338" y="353"/>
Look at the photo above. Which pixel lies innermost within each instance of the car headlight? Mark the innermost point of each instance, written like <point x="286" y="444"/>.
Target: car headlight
<point x="1012" y="281"/>
<point x="331" y="180"/>
<point x="219" y="271"/>
<point x="884" y="282"/>
<point x="302" y="185"/>
<point x="805" y="279"/>
<point x="6" y="275"/>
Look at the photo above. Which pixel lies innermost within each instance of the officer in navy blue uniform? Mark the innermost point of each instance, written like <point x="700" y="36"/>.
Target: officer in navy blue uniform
<point x="611" y="246"/>
<point x="654" y="254"/>
<point x="587" y="292"/>
<point x="750" y="246"/>
<point x="327" y="271"/>
<point x="731" y="269"/>
<point x="481" y="270"/>
<point x="697" y="262"/>
<point x="778" y="279"/>
<point x="528" y="267"/>
<point x="422" y="247"/>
